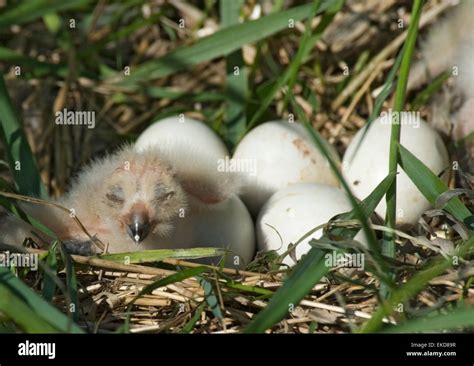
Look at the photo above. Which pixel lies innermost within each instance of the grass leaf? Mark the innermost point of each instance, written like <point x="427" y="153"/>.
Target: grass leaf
<point x="71" y="282"/>
<point x="49" y="285"/>
<point x="429" y="184"/>
<point x="27" y="11"/>
<point x="148" y="256"/>
<point x="192" y="322"/>
<point x="388" y="244"/>
<point x="454" y="320"/>
<point x="23" y="305"/>
<point x="236" y="82"/>
<point x="20" y="158"/>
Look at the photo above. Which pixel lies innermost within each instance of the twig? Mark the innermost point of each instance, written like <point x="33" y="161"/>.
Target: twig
<point x="363" y="89"/>
<point x="340" y="310"/>
<point x="238" y="272"/>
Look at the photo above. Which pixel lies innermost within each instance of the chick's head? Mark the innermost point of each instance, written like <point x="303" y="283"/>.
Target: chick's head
<point x="142" y="195"/>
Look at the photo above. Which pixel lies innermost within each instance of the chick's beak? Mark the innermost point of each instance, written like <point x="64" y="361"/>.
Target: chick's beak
<point x="138" y="228"/>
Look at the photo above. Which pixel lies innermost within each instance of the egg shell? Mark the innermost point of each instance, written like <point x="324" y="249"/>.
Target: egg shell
<point x="293" y="211"/>
<point x="284" y="154"/>
<point x="175" y="132"/>
<point x="365" y="169"/>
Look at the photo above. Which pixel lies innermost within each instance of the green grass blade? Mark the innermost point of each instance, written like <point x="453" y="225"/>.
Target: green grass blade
<point x="52" y="21"/>
<point x="424" y="96"/>
<point x="429" y="184"/>
<point x="49" y="285"/>
<point x="26" y="11"/>
<point x="309" y="270"/>
<point x="388" y="244"/>
<point x="369" y="204"/>
<point x="71" y="282"/>
<point x="221" y="43"/>
<point x="148" y="256"/>
<point x="39" y="308"/>
<point x="21" y="314"/>
<point x="236" y="82"/>
<point x="453" y="320"/>
<point x="20" y="157"/>
<point x="192" y="322"/>
<point x="252" y="289"/>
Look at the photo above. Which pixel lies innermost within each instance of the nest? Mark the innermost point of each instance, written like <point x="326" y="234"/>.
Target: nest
<point x="226" y="300"/>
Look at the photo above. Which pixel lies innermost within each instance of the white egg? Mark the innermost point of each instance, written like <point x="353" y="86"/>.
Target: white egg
<point x="367" y="167"/>
<point x="225" y="225"/>
<point x="176" y="132"/>
<point x="293" y="211"/>
<point x="279" y="153"/>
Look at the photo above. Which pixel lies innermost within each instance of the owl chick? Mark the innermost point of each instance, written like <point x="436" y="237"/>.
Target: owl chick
<point x="123" y="199"/>
<point x="134" y="200"/>
<point x="449" y="46"/>
<point x="448" y="43"/>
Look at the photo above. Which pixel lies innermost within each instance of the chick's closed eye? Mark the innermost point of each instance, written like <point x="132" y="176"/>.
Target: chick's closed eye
<point x="163" y="193"/>
<point x="115" y="195"/>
